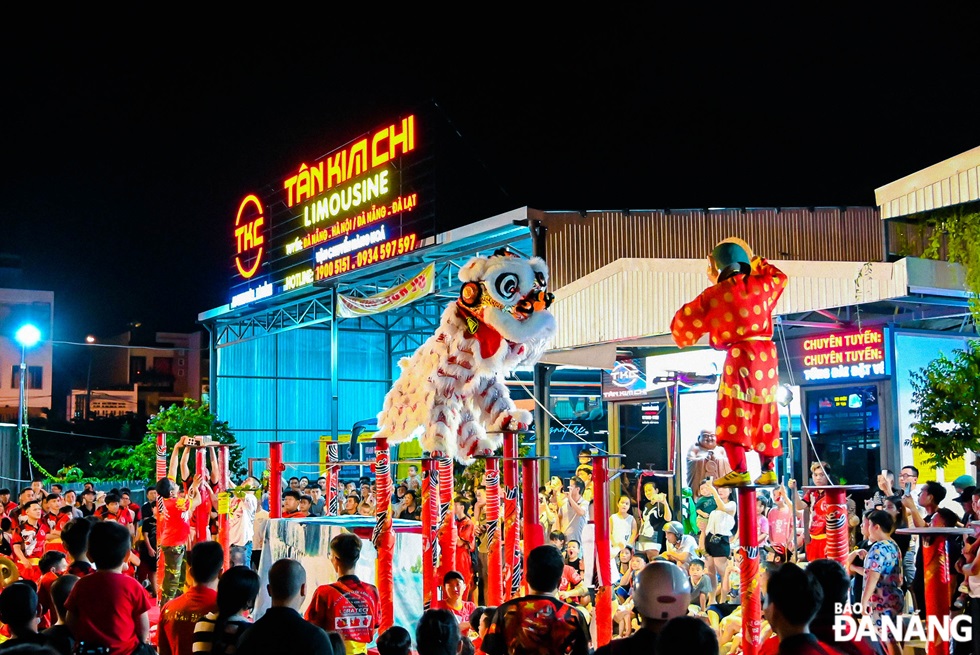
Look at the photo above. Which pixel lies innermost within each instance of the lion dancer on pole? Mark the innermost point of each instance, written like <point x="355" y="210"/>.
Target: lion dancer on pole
<point x="736" y="313"/>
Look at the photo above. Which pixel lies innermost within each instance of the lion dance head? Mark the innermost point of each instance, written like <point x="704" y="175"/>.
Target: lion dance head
<point x="450" y="392"/>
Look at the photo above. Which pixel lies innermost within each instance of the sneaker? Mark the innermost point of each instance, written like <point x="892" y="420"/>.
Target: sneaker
<point x="768" y="478"/>
<point x="733" y="479"/>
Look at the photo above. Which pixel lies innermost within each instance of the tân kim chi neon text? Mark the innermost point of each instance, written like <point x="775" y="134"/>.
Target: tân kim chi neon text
<point x="348" y="163"/>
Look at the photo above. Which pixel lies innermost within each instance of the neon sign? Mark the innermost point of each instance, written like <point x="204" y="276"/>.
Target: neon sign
<point x="367" y="154"/>
<point x="843" y="356"/>
<point x="248" y="236"/>
<point x="354" y="206"/>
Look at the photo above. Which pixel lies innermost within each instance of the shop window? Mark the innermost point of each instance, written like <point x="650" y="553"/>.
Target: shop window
<point x="845" y="426"/>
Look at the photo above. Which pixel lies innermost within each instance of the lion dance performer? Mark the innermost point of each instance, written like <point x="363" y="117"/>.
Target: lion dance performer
<point x="736" y="313"/>
<point x="450" y="393"/>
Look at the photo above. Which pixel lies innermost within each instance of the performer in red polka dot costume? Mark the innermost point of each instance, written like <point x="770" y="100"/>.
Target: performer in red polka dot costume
<point x="736" y="313"/>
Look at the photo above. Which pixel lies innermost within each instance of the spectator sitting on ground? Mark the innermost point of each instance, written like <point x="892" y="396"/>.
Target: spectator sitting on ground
<point x="282" y="621"/>
<point x="305" y="504"/>
<point x="702" y="586"/>
<point x="396" y="640"/>
<point x="18" y="610"/>
<point x="59" y="636"/>
<point x="179" y="616"/>
<point x="437" y="633"/>
<point x="219" y="632"/>
<point x="106" y="607"/>
<point x="689" y="635"/>
<point x="794" y="599"/>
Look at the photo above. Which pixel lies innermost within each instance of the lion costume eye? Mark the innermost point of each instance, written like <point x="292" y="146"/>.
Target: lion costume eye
<point x="507" y="285"/>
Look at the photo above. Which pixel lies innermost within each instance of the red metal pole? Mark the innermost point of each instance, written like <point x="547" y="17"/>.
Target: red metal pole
<point x="276" y="468"/>
<point x="495" y="571"/>
<point x="935" y="559"/>
<point x="161" y="473"/>
<point x="513" y="562"/>
<point x="224" y="483"/>
<point x="603" y="550"/>
<point x="161" y="455"/>
<point x="384" y="539"/>
<point x="446" y="533"/>
<point x="332" y="492"/>
<point x="200" y="467"/>
<point x="837" y="541"/>
<point x="748" y="536"/>
<point x="533" y="534"/>
<point x="430" y="514"/>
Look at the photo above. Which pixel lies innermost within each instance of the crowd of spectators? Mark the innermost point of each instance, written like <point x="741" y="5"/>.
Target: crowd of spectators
<point x="87" y="563"/>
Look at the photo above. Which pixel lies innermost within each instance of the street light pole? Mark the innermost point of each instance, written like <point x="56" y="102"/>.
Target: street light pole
<point x="27" y="336"/>
<point x="21" y="411"/>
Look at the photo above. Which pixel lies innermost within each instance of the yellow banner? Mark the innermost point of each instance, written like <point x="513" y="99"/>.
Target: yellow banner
<point x="419" y="286"/>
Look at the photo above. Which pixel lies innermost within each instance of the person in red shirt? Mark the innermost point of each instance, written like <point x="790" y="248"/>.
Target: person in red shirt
<point x="6" y="505"/>
<point x="736" y="313"/>
<point x="819" y="506"/>
<point x="348" y="606"/>
<point x="107" y="608"/>
<point x="173" y="533"/>
<point x="113" y="511"/>
<point x="178" y="617"/>
<point x="52" y="566"/>
<point x="465" y="541"/>
<point x="290" y="505"/>
<point x="55" y="520"/>
<point x="16" y="513"/>
<point x="453" y="597"/>
<point x="28" y="541"/>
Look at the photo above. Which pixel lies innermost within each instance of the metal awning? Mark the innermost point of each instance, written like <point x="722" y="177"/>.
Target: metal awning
<point x="312" y="306"/>
<point x="625" y="308"/>
<point x="951" y="182"/>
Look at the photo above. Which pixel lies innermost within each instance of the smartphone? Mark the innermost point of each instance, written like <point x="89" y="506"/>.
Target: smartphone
<point x="908" y="488"/>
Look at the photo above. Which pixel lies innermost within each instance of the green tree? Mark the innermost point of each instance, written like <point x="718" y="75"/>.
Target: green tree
<point x="947" y="412"/>
<point x="193" y="418"/>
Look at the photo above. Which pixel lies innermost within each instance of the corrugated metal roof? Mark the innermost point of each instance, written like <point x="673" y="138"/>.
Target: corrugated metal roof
<point x="950" y="182"/>
<point x="635" y="298"/>
<point x="579" y="243"/>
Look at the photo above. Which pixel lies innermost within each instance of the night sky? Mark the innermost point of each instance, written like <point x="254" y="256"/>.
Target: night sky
<point x="126" y="151"/>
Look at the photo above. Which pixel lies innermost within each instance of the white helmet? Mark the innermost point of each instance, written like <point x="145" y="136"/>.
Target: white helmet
<point x="662" y="591"/>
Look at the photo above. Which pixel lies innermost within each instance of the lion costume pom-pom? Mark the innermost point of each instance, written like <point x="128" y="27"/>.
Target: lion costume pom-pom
<point x="450" y="392"/>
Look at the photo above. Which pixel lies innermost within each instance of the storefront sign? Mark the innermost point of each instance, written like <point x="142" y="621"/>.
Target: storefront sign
<point x="408" y="292"/>
<point x="839" y="356"/>
<point x="351" y="208"/>
<point x="627" y="379"/>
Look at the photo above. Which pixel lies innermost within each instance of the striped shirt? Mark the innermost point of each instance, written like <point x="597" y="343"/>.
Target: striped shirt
<point x="223" y="643"/>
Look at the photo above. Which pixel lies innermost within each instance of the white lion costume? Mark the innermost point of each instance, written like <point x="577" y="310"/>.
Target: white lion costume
<point x="450" y="392"/>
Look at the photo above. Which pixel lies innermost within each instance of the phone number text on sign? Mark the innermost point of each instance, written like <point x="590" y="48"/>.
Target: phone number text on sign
<point x="370" y="255"/>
